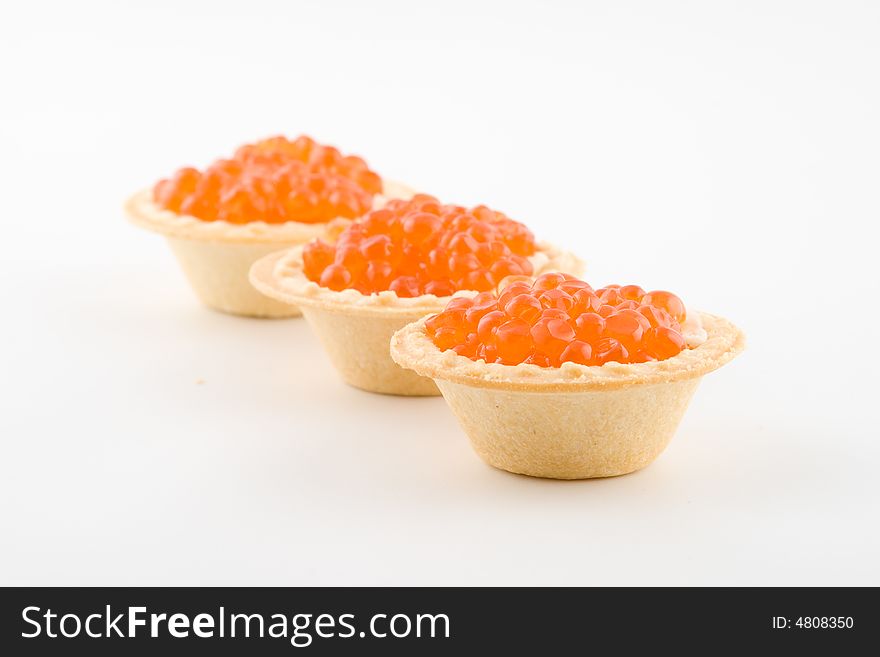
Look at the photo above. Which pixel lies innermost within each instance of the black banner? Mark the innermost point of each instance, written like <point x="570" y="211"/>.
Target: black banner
<point x="277" y="621"/>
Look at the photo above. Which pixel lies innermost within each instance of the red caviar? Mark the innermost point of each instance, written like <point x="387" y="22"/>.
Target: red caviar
<point x="274" y="180"/>
<point x="558" y="319"/>
<point x="420" y="247"/>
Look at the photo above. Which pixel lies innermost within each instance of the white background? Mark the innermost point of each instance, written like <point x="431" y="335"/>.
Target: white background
<point x="727" y="151"/>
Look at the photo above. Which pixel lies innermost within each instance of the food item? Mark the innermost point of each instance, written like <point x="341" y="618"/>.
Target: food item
<point x="419" y="246"/>
<point x="269" y="195"/>
<point x="560" y="319"/>
<point x="574" y="386"/>
<point x="274" y="180"/>
<point x="391" y="268"/>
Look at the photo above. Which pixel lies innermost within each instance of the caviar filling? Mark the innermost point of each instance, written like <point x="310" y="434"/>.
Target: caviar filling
<point x="274" y="180"/>
<point x="419" y="246"/>
<point x="558" y="319"/>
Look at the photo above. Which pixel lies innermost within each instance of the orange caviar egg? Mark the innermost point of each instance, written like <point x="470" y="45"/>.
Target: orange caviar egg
<point x="557" y="319"/>
<point x="274" y="180"/>
<point x="668" y="302"/>
<point x="420" y="247"/>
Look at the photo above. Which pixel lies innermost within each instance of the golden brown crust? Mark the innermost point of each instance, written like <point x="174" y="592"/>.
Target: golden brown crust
<point x="357" y="345"/>
<point x="413" y="349"/>
<point x="570" y="435"/>
<point x="143" y="212"/>
<point x="280" y="276"/>
<point x="218" y="273"/>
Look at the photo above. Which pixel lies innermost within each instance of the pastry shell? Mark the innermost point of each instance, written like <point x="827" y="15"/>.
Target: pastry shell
<point x="356" y="329"/>
<point x="216" y="256"/>
<point x="571" y="422"/>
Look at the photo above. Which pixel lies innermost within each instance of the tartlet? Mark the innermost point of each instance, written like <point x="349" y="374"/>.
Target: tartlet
<point x="216" y="247"/>
<point x="574" y="420"/>
<point x="355" y="326"/>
